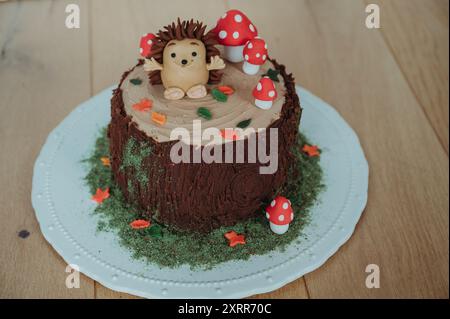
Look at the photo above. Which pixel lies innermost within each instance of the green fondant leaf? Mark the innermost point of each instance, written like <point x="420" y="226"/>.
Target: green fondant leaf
<point x="204" y="112"/>
<point x="273" y="75"/>
<point x="155" y="231"/>
<point x="218" y="95"/>
<point x="136" y="81"/>
<point x="244" y="123"/>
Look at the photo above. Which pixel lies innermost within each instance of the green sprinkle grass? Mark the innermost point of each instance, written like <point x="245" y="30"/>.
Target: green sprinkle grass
<point x="168" y="248"/>
<point x="133" y="156"/>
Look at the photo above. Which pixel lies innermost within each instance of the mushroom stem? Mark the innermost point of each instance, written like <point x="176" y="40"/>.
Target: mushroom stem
<point x="234" y="53"/>
<point x="265" y="105"/>
<point x="279" y="229"/>
<point x="250" y="69"/>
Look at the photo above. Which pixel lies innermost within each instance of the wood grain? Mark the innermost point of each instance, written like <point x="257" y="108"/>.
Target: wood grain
<point x="419" y="42"/>
<point x="386" y="84"/>
<point x="404" y="228"/>
<point x="101" y="292"/>
<point x="294" y="290"/>
<point x="41" y="82"/>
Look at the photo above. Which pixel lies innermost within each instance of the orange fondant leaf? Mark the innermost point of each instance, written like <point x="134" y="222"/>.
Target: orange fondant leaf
<point x="100" y="195"/>
<point x="311" y="150"/>
<point x="143" y="105"/>
<point x="105" y="161"/>
<point x="229" y="134"/>
<point x="234" y="239"/>
<point x="239" y="239"/>
<point x="225" y="89"/>
<point x="158" y="118"/>
<point x="139" y="224"/>
<point x="231" y="234"/>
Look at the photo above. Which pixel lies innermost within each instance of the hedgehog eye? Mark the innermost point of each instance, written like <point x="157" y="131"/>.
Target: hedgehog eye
<point x="173" y="55"/>
<point x="194" y="53"/>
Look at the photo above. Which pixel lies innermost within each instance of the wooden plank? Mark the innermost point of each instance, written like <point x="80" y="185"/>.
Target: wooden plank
<point x="101" y="292"/>
<point x="43" y="72"/>
<point x="417" y="33"/>
<point x="294" y="290"/>
<point x="325" y="44"/>
<point x="405" y="226"/>
<point x="137" y="18"/>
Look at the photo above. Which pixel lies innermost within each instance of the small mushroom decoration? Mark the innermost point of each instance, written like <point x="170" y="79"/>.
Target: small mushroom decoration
<point x="233" y="31"/>
<point x="264" y="93"/>
<point x="280" y="215"/>
<point x="255" y="54"/>
<point x="146" y="44"/>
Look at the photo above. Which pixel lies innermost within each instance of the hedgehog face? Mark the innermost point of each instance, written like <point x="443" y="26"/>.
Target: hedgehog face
<point x="185" y="53"/>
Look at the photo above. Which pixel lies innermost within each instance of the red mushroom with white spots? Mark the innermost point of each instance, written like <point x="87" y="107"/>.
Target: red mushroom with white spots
<point x="265" y="93"/>
<point x="280" y="215"/>
<point x="146" y="44"/>
<point x="233" y="31"/>
<point x="255" y="55"/>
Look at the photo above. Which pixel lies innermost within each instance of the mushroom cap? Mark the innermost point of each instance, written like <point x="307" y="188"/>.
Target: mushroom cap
<point x="234" y="29"/>
<point x="265" y="90"/>
<point x="279" y="211"/>
<point x="255" y="51"/>
<point x="146" y="44"/>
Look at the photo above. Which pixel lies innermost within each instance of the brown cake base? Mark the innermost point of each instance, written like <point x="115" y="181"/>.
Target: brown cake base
<point x="199" y="197"/>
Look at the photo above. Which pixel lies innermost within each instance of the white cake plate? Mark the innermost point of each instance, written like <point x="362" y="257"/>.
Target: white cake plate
<point x="63" y="208"/>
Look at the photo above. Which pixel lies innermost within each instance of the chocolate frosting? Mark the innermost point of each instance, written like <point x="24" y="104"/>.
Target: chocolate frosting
<point x="200" y="197"/>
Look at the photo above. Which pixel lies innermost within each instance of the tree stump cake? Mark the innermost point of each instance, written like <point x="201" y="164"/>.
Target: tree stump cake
<point x="158" y="97"/>
<point x="197" y="196"/>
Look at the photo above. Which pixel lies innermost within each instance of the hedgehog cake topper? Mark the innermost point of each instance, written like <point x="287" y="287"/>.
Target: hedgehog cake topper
<point x="183" y="58"/>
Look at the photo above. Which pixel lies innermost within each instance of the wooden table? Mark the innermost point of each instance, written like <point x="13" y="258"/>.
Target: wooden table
<point x="390" y="84"/>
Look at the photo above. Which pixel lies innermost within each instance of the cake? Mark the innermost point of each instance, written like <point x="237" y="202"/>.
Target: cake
<point x="168" y="92"/>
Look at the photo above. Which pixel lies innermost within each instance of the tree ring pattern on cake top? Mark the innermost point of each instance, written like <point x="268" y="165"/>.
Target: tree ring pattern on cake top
<point x="181" y="113"/>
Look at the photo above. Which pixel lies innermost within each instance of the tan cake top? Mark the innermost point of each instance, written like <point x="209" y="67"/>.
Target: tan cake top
<point x="181" y="113"/>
